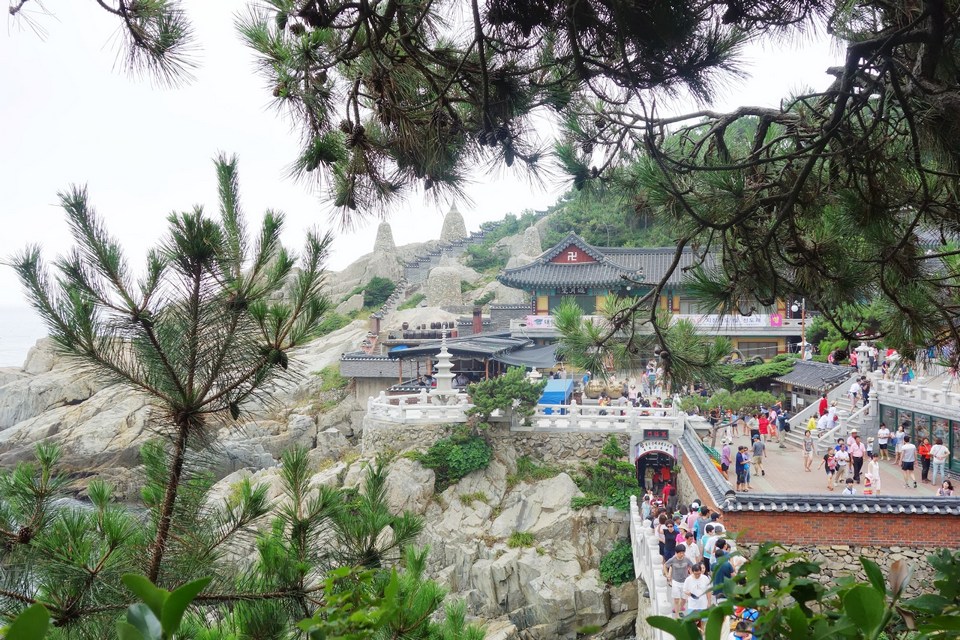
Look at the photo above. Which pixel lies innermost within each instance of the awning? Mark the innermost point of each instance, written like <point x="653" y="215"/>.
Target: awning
<point x="531" y="357"/>
<point x="481" y="346"/>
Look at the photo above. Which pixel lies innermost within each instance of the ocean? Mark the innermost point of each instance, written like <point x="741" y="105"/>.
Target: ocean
<point x="20" y="328"/>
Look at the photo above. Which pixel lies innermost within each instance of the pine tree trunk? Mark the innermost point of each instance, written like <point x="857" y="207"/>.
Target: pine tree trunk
<point x="169" y="500"/>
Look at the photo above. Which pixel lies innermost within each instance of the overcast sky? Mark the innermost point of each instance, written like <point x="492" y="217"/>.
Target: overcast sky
<point x="70" y="115"/>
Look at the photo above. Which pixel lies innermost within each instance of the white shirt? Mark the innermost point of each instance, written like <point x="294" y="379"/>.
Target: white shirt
<point x="883" y="436"/>
<point x="842" y="458"/>
<point x="855" y="388"/>
<point x="696" y="590"/>
<point x="849" y="491"/>
<point x="939" y="453"/>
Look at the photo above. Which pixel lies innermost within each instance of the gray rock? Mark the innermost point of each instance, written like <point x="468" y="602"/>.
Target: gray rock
<point x="454" y="227"/>
<point x="542" y="509"/>
<point x="443" y="287"/>
<point x="409" y="486"/>
<point x="384" y="241"/>
<point x="351" y="304"/>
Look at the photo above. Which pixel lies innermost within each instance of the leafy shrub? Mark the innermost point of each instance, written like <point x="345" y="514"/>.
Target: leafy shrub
<point x="377" y="291"/>
<point x="616" y="567"/>
<point x="512" y="390"/>
<point x="484" y="258"/>
<point x="521" y="539"/>
<point x="412" y="302"/>
<point x="610" y="482"/>
<point x="476" y="496"/>
<point x="454" y="457"/>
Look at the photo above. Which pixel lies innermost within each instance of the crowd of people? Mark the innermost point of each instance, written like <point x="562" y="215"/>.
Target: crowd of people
<point x="699" y="556"/>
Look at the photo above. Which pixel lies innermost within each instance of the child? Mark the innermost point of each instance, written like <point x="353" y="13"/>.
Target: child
<point x="850" y="490"/>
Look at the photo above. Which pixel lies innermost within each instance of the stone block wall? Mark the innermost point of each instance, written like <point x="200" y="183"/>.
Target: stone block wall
<point x="557" y="448"/>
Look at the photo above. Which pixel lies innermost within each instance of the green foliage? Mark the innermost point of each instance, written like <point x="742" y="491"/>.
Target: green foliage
<point x="741" y="375"/>
<point x="412" y="302"/>
<point x="510" y="391"/>
<point x="616" y="567"/>
<point x="485" y="259"/>
<point x="530" y="471"/>
<point x="521" y="539"/>
<point x="31" y="624"/>
<point x="331" y="379"/>
<point x="609" y="218"/>
<point x="453" y="457"/>
<point x="485" y="299"/>
<point x="743" y="401"/>
<point x="476" y="496"/>
<point x="609" y="482"/>
<point x="591" y="344"/>
<point x="332" y="322"/>
<point x="159" y="615"/>
<point x="794" y="602"/>
<point x="376" y="292"/>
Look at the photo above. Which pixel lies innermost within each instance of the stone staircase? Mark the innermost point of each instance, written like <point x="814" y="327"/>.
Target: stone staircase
<point x="848" y="420"/>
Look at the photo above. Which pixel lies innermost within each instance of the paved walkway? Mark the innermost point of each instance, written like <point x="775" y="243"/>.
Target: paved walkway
<point x="785" y="474"/>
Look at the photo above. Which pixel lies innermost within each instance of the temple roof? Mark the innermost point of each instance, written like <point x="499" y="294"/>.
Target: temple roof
<point x="598" y="267"/>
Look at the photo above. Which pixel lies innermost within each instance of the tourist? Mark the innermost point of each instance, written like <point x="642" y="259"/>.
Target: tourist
<point x="747" y="467"/>
<point x="843" y="462"/>
<point x="822" y="405"/>
<point x="871" y="476"/>
<point x="809" y="449"/>
<point x="645" y="507"/>
<point x="701" y="522"/>
<point x="676" y="570"/>
<point x="723" y="570"/>
<point x="759" y="453"/>
<point x="857" y="452"/>
<point x="692" y="516"/>
<point x="739" y="426"/>
<point x="829" y="464"/>
<point x="923" y="453"/>
<point x="849" y="490"/>
<point x="854" y="392"/>
<point x="753" y="426"/>
<point x="939" y="454"/>
<point x="825" y="423"/>
<point x="763" y="427"/>
<point x="696" y="590"/>
<point x="725" y="458"/>
<point x="693" y="550"/>
<point x="710" y="538"/>
<point x="662" y="534"/>
<point x="812" y="423"/>
<point x="741" y="469"/>
<point x="883" y="440"/>
<point x="946" y="489"/>
<point x="898" y="440"/>
<point x="670" y="537"/>
<point x="908" y="458"/>
<point x="865" y="392"/>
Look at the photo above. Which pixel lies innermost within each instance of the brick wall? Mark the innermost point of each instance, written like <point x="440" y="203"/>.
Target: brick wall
<point x="927" y="531"/>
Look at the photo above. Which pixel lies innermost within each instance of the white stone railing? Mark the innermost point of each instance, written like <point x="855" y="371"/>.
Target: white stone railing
<point x="648" y="565"/>
<point x="591" y="417"/>
<point x="917" y="396"/>
<point x="424" y="407"/>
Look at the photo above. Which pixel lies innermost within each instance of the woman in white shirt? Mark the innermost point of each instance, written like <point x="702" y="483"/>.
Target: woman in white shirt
<point x="938" y="460"/>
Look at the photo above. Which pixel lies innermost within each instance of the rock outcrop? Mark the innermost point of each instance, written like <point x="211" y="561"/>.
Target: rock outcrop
<point x="454" y="227"/>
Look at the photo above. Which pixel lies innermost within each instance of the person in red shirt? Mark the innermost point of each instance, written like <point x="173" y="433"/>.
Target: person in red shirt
<point x="764" y="426"/>
<point x="823" y="406"/>
<point x="667" y="491"/>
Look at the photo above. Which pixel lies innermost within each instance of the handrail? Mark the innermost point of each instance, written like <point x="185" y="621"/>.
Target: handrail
<point x="647" y="565"/>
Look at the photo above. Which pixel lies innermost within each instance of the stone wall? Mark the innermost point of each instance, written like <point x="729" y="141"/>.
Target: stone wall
<point x="568" y="449"/>
<point x="554" y="447"/>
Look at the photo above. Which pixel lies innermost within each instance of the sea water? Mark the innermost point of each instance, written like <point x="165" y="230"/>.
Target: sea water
<point x="20" y="328"/>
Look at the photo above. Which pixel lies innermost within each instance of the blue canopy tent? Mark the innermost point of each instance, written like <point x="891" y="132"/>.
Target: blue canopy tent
<point x="556" y="392"/>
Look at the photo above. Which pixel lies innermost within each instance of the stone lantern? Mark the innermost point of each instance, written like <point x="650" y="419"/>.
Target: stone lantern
<point x="863" y="357"/>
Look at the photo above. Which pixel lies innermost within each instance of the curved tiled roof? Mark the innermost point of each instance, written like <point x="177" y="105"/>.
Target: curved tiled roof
<point x="613" y="264"/>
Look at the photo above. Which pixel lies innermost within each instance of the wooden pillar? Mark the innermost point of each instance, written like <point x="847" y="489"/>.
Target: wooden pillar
<point x="486" y="369"/>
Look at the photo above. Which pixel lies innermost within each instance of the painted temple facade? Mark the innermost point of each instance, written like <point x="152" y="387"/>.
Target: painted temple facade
<point x="586" y="273"/>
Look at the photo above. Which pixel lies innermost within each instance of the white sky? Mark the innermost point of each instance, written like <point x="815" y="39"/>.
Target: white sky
<point x="69" y="114"/>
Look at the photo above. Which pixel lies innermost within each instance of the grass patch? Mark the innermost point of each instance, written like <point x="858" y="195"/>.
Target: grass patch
<point x="530" y="471"/>
<point x="588" y="630"/>
<point x="332" y="322"/>
<point x="412" y="302"/>
<point x="476" y="496"/>
<point x="521" y="539"/>
<point x="331" y="379"/>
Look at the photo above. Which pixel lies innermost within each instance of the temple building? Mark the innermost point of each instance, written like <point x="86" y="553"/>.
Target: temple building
<point x="587" y="274"/>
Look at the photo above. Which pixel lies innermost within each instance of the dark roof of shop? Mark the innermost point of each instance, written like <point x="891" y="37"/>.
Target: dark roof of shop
<point x="614" y="264"/>
<point x="478" y="345"/>
<point x="816" y="375"/>
<point x="531" y="357"/>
